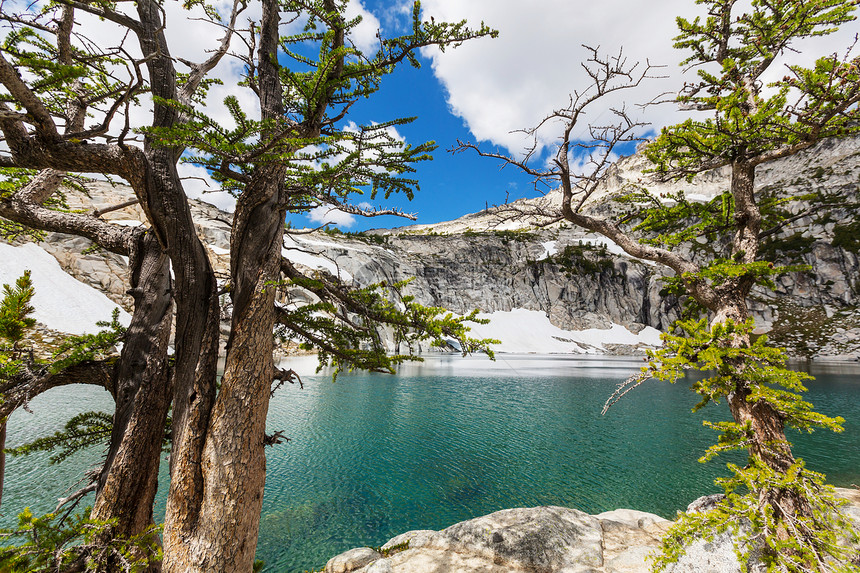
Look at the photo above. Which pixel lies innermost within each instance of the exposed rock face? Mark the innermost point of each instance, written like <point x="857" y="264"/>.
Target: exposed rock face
<point x="577" y="280"/>
<point x="547" y="540"/>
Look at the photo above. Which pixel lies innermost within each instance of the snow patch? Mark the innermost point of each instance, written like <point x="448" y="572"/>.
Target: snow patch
<point x="219" y="250"/>
<point x="530" y="331"/>
<point x="697" y="197"/>
<point x="62" y="302"/>
<point x="126" y="222"/>
<point x="611" y="247"/>
<point x="550" y="249"/>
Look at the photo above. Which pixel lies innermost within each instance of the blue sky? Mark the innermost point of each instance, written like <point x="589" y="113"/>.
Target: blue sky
<point x="488" y="88"/>
<point x="483" y="91"/>
<point x="451" y="185"/>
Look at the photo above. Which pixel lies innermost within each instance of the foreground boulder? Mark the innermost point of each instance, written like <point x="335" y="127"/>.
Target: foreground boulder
<point x="546" y="539"/>
<point x="539" y="539"/>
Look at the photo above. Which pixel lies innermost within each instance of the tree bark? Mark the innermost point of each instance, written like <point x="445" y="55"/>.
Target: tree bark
<point x="769" y="443"/>
<point x="197" y="306"/>
<point x="138" y="381"/>
<point x="129" y="479"/>
<point x="224" y="538"/>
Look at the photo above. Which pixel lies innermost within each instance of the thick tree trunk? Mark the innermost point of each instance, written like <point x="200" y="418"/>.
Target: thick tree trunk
<point x="224" y="538"/>
<point x="234" y="460"/>
<point x="128" y="482"/>
<point x="138" y="383"/>
<point x="2" y="456"/>
<point x="197" y="306"/>
<point x="769" y="443"/>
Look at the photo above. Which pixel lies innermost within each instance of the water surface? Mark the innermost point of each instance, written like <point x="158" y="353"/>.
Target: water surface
<point x="373" y="455"/>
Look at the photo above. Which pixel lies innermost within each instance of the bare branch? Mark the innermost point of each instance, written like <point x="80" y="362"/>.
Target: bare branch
<point x="117" y="207"/>
<point x="102" y="11"/>
<point x="199" y="71"/>
<point x="18" y="390"/>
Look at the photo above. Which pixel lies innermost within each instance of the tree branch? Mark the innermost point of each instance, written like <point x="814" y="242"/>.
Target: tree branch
<point x="18" y="390"/>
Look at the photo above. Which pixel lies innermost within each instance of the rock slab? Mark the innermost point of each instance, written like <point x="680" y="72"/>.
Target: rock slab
<point x="550" y="539"/>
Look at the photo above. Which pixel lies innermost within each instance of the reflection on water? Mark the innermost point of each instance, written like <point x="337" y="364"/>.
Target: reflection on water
<point x="374" y="455"/>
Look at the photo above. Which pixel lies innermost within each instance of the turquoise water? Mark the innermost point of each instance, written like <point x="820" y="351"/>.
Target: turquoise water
<point x="373" y="455"/>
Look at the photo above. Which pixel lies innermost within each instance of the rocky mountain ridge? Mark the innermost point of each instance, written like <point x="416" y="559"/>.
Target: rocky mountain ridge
<point x="576" y="280"/>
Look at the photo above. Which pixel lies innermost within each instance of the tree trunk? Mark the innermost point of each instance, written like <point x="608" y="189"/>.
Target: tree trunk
<point x="2" y="455"/>
<point x="233" y="464"/>
<point x="129" y="479"/>
<point x="197" y="306"/>
<point x="769" y="443"/>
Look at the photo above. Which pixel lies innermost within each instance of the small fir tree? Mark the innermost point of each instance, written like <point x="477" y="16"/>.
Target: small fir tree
<point x="15" y="311"/>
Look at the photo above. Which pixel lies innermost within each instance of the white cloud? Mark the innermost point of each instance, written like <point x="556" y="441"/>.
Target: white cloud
<point x="326" y="215"/>
<point x="364" y="36"/>
<point x="501" y="85"/>
<point x="198" y="184"/>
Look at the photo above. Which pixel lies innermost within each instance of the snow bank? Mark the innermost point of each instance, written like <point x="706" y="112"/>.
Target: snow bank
<point x="530" y="331"/>
<point x="550" y="249"/>
<point x="62" y="302"/>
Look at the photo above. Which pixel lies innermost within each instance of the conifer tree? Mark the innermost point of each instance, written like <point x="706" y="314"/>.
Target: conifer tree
<point x="299" y="154"/>
<point x="774" y="505"/>
<point x="15" y="311"/>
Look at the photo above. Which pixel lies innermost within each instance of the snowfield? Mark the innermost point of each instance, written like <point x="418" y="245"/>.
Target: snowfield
<point x="62" y="302"/>
<point x="530" y="332"/>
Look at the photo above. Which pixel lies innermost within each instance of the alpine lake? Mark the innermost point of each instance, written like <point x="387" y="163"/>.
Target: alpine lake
<point x="374" y="455"/>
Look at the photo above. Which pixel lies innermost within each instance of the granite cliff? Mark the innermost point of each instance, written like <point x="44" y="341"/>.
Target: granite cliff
<point x="562" y="280"/>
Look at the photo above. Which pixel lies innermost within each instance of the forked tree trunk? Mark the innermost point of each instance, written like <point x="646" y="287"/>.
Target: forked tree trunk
<point x="223" y="534"/>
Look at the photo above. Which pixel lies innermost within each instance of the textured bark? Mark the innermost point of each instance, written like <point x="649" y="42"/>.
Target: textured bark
<point x="2" y="456"/>
<point x="224" y="538"/>
<point x="234" y="460"/>
<point x="153" y="176"/>
<point x="19" y="390"/>
<point x="129" y="479"/>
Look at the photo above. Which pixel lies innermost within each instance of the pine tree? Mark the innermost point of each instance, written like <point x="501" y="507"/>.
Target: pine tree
<point x="15" y="311"/>
<point x="776" y="507"/>
<point x="297" y="155"/>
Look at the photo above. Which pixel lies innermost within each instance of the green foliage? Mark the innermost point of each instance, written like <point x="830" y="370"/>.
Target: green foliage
<point x="506" y="235"/>
<point x="48" y="543"/>
<point x="671" y="220"/>
<point x="347" y="336"/>
<point x="715" y="350"/>
<point x="584" y="260"/>
<point x="388" y="551"/>
<point x="329" y="159"/>
<point x="81" y="432"/>
<point x="732" y="51"/>
<point x="15" y="309"/>
<point x="77" y="349"/>
<point x="820" y="531"/>
<point x="59" y="84"/>
<point x="757" y="526"/>
<point x="847" y="236"/>
<point x="369" y="238"/>
<point x="792" y="247"/>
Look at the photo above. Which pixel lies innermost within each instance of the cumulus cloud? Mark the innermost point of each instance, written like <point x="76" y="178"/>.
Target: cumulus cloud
<point x="512" y="82"/>
<point x="198" y="184"/>
<point x="364" y="36"/>
<point x="326" y="215"/>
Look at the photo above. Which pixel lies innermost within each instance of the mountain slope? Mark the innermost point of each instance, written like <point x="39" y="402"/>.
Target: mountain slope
<point x="547" y="289"/>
